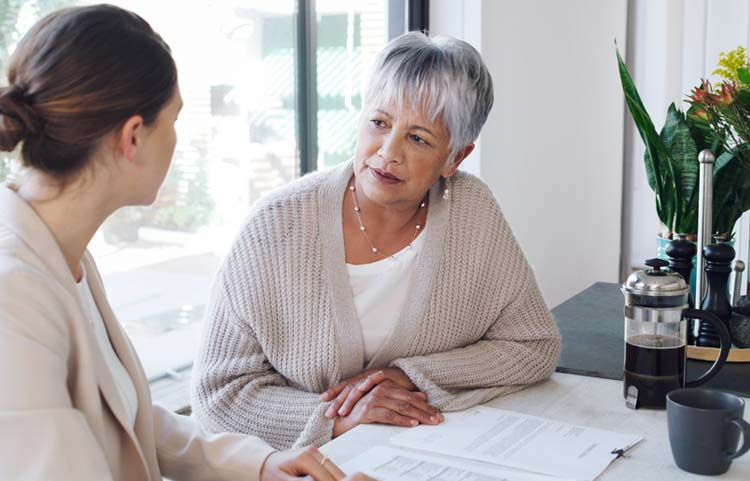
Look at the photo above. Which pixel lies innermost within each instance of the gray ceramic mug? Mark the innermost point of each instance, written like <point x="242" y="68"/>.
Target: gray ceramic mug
<point x="704" y="429"/>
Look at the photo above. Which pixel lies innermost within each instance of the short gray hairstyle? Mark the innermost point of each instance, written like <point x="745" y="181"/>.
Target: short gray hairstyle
<point x="439" y="76"/>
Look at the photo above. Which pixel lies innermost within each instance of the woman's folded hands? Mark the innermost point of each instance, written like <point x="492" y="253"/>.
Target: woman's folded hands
<point x="384" y="396"/>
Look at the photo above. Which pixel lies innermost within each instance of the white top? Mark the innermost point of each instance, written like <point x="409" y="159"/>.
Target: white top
<point x="380" y="289"/>
<point x="122" y="380"/>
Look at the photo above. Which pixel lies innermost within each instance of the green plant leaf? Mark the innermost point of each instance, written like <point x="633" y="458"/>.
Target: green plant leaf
<point x="704" y="135"/>
<point x="683" y="156"/>
<point x="658" y="170"/>
<point x="705" y="138"/>
<point x="721" y="161"/>
<point x="743" y="97"/>
<point x="743" y="75"/>
<point x="731" y="195"/>
<point x="727" y="198"/>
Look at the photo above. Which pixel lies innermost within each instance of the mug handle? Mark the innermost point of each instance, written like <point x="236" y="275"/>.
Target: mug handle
<point x="725" y="343"/>
<point x="744" y="428"/>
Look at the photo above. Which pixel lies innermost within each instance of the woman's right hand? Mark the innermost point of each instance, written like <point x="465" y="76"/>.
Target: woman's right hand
<point x="298" y="463"/>
<point x="388" y="404"/>
<point x="366" y="380"/>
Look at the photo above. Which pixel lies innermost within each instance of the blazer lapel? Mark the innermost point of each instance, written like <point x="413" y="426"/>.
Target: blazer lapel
<point x="129" y="359"/>
<point x="17" y="215"/>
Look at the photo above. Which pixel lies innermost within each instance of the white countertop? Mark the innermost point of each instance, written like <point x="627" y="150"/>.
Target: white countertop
<point x="586" y="401"/>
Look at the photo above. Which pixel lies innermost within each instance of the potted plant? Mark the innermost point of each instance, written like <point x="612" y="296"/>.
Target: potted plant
<point x="724" y="112"/>
<point x="713" y="121"/>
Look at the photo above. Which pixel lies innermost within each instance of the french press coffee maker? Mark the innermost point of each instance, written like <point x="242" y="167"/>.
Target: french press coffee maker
<point x="656" y="318"/>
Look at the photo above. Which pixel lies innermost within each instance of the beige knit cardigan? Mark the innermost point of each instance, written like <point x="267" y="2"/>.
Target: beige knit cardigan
<point x="281" y="326"/>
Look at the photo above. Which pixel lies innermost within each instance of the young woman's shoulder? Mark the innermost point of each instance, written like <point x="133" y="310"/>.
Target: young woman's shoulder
<point x="33" y="304"/>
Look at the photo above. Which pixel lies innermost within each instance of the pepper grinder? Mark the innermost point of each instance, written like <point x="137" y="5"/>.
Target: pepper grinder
<point x="719" y="258"/>
<point x="680" y="252"/>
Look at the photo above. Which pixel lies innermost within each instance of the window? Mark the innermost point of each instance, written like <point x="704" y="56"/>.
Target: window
<point x="254" y="118"/>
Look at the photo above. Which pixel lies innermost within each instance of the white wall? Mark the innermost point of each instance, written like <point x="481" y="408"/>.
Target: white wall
<point x="655" y="62"/>
<point x="460" y="19"/>
<point x="558" y="149"/>
<point x="552" y="147"/>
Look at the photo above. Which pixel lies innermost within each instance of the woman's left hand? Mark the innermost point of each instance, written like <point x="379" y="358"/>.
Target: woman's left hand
<point x="389" y="404"/>
<point x="346" y="393"/>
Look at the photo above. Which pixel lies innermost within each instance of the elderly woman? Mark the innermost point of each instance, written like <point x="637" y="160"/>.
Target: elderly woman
<point x="392" y="285"/>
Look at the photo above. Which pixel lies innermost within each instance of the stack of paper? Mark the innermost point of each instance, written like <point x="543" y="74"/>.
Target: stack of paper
<point x="388" y="464"/>
<point x="510" y="439"/>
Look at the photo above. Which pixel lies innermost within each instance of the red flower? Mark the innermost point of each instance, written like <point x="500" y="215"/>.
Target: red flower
<point x="726" y="97"/>
<point x="702" y="114"/>
<point x="702" y="93"/>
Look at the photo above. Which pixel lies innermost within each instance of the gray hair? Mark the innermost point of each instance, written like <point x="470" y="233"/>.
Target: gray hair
<point x="439" y="76"/>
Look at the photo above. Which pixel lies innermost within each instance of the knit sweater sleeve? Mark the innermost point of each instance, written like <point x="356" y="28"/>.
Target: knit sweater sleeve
<point x="236" y="389"/>
<point x="518" y="343"/>
<point x="521" y="348"/>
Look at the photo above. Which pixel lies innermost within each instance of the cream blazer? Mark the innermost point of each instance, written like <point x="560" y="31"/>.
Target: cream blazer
<point x="61" y="417"/>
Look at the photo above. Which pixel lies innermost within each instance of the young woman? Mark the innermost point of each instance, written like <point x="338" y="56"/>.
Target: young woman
<point x="92" y="98"/>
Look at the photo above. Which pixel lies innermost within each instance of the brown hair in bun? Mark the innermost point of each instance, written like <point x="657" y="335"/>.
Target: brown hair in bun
<point x="77" y="75"/>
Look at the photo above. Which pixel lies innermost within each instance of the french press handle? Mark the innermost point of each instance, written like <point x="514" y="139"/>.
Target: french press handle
<point x="725" y="343"/>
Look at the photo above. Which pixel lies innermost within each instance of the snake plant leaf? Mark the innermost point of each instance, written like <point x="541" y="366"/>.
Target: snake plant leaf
<point x="665" y="201"/>
<point x="658" y="168"/>
<point x="731" y="195"/>
<point x="744" y="190"/>
<point x="721" y="161"/>
<point x="725" y="197"/>
<point x="743" y="186"/>
<point x="679" y="142"/>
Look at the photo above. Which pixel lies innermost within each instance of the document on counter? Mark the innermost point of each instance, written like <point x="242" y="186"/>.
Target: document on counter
<point x="520" y="441"/>
<point x="389" y="464"/>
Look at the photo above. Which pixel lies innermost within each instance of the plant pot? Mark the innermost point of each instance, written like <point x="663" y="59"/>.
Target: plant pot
<point x="661" y="245"/>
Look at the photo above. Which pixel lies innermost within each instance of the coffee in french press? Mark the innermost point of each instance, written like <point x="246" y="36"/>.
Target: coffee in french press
<point x="656" y="314"/>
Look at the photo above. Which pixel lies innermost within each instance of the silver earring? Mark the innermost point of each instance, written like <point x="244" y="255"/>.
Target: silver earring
<point x="446" y="191"/>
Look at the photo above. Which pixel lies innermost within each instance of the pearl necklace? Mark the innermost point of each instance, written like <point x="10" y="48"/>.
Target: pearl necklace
<point x="363" y="230"/>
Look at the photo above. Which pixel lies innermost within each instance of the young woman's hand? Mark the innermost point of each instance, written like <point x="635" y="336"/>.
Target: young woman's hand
<point x="298" y="463"/>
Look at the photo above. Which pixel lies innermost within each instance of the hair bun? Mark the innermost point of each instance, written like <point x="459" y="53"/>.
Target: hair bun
<point x="18" y="120"/>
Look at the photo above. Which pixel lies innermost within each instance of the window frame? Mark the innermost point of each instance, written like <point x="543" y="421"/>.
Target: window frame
<point x="412" y="14"/>
<point x="171" y="388"/>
